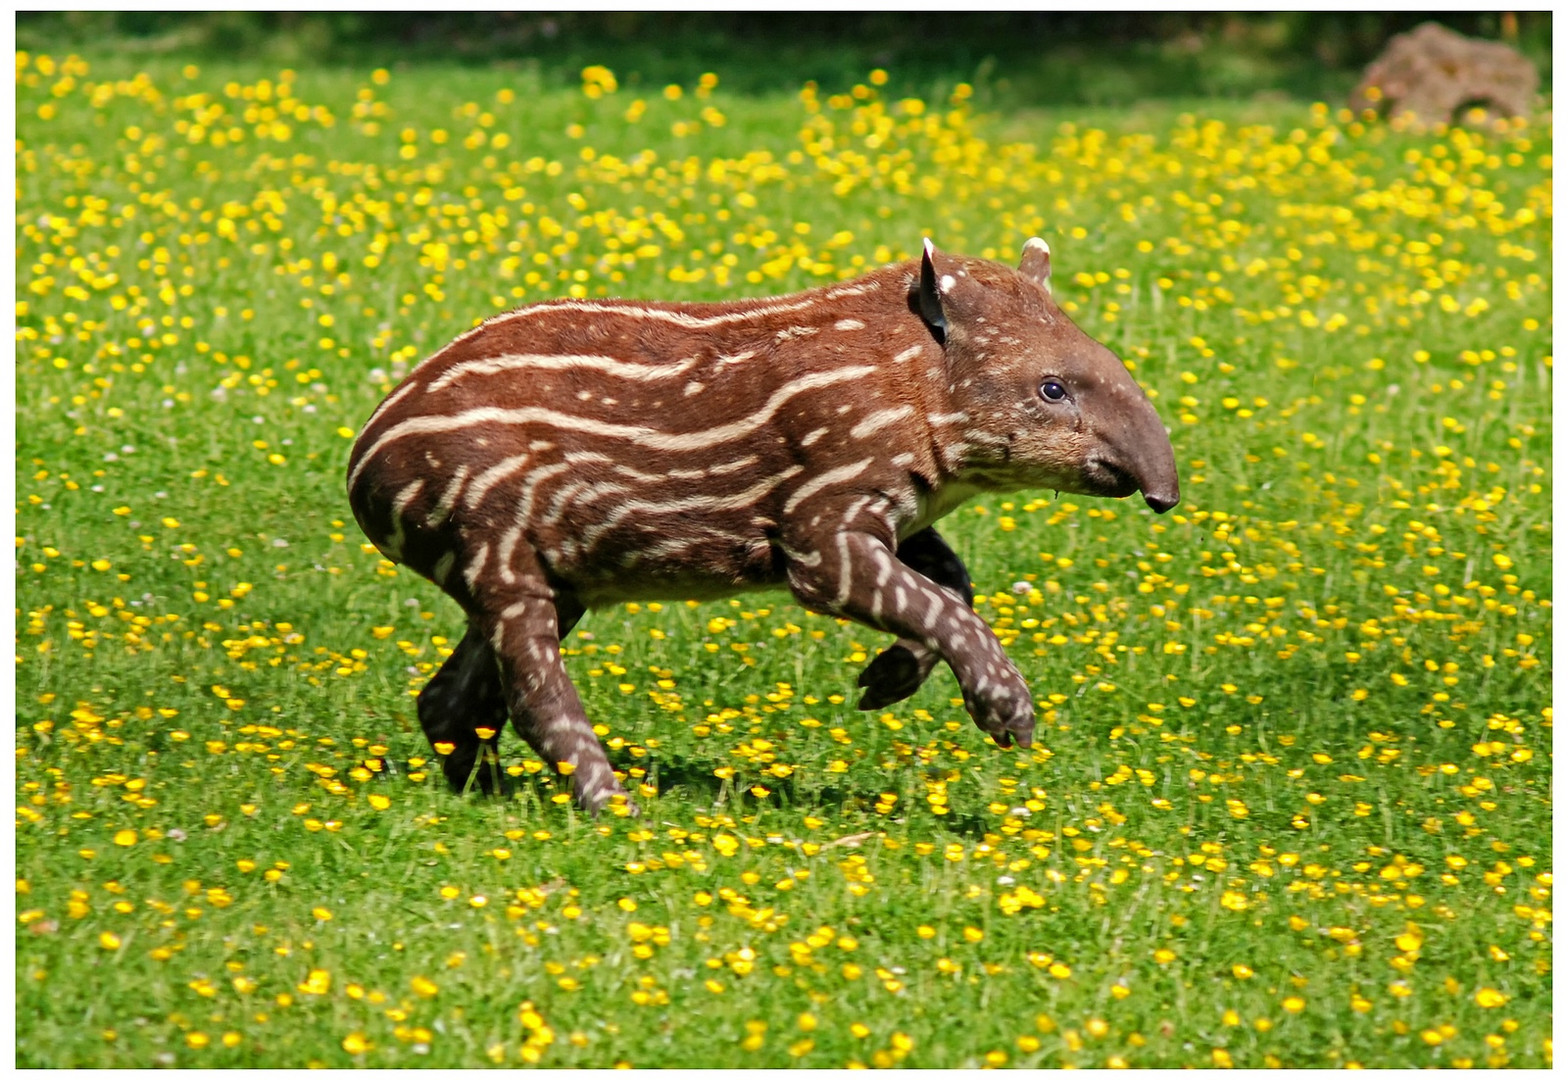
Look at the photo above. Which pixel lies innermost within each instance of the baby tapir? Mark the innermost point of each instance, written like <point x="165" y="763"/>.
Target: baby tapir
<point x="577" y="453"/>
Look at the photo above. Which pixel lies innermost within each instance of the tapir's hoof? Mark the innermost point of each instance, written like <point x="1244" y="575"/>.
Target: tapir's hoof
<point x="1005" y="712"/>
<point x="894" y="675"/>
<point x="1007" y="736"/>
<point x="614" y="804"/>
<point x="480" y="776"/>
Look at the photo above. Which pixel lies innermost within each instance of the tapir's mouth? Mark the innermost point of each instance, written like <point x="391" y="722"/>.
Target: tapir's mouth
<point x="1109" y="480"/>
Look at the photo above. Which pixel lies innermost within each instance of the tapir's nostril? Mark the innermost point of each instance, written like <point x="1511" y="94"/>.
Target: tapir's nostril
<point x="1160" y="503"/>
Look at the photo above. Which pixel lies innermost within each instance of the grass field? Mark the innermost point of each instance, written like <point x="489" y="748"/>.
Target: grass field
<point x="1290" y="799"/>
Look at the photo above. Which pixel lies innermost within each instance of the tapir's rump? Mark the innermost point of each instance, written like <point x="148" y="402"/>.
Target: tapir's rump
<point x="571" y="454"/>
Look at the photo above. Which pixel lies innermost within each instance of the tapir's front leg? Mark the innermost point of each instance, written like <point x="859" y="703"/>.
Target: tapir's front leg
<point x="900" y="669"/>
<point x="854" y="573"/>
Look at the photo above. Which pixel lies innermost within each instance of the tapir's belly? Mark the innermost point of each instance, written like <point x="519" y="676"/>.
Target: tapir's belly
<point x="727" y="568"/>
<point x="701" y="544"/>
<point x="646" y="533"/>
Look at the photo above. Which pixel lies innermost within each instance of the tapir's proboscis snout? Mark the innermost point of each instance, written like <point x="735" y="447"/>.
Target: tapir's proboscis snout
<point x="1150" y="459"/>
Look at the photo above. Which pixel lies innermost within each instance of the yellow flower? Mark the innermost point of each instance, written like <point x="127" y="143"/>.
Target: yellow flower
<point x="1488" y="998"/>
<point x="423" y="986"/>
<point x="355" y="1042"/>
<point x="318" y="982"/>
<point x="125" y="837"/>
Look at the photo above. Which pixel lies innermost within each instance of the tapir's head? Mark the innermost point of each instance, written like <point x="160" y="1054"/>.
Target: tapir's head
<point x="1046" y="404"/>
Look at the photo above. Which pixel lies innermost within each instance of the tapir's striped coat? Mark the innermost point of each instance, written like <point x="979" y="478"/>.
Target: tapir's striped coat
<point x="572" y="454"/>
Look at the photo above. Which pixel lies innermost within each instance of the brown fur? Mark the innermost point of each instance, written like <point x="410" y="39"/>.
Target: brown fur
<point x="574" y="454"/>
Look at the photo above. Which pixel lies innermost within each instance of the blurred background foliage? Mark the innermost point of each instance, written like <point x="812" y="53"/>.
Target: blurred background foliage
<point x="1015" y="59"/>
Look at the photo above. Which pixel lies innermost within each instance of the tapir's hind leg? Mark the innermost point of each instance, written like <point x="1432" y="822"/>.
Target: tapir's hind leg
<point x="462" y="699"/>
<point x="466" y="697"/>
<point x="523" y="623"/>
<point x="903" y="667"/>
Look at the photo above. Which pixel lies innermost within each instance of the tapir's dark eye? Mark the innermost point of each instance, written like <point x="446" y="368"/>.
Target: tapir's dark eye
<point x="1052" y="390"/>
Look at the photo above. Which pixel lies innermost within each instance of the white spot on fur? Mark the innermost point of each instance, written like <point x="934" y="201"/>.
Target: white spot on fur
<point x="492" y="476"/>
<point x="857" y="289"/>
<point x="733" y="466"/>
<point x="630" y="309"/>
<point x="846" y="580"/>
<point x="448" y="499"/>
<point x="523" y="362"/>
<point x="879" y="420"/>
<point x="476" y="566"/>
<point x="827" y="479"/>
<point x="504" y="553"/>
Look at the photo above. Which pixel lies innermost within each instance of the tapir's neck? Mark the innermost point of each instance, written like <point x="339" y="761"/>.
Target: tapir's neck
<point x="937" y="503"/>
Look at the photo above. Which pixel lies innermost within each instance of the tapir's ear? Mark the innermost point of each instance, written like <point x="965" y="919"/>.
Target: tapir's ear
<point x="1036" y="263"/>
<point x="930" y="296"/>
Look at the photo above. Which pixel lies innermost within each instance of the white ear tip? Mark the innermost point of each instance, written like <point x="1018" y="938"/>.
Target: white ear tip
<point x="1034" y="243"/>
<point x="926" y="241"/>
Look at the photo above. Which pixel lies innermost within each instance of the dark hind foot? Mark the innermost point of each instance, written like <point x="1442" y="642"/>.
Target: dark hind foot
<point x="463" y="710"/>
<point x="895" y="674"/>
<point x="903" y="667"/>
